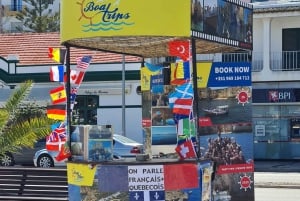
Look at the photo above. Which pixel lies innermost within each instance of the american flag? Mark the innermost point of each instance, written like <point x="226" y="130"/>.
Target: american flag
<point x="83" y="62"/>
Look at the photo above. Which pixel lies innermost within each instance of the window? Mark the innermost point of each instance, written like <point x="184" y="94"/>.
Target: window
<point x="85" y="110"/>
<point x="291" y="49"/>
<point x="16" y="5"/>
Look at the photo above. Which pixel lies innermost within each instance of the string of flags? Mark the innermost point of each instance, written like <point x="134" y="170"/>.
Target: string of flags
<point x="56" y="140"/>
<point x="180" y="100"/>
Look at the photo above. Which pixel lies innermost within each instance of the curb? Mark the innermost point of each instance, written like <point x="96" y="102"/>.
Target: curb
<point x="277" y="185"/>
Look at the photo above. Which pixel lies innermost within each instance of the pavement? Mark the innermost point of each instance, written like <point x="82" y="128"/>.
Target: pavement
<point x="277" y="166"/>
<point x="277" y="174"/>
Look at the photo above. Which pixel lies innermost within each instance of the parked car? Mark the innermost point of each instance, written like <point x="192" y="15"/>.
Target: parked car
<point x="24" y="156"/>
<point x="122" y="147"/>
<point x="46" y="159"/>
<point x="126" y="147"/>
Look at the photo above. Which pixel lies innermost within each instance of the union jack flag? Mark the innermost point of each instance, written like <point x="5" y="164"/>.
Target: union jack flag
<point x="74" y="91"/>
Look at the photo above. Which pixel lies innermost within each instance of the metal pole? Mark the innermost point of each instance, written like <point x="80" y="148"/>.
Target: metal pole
<point x="68" y="90"/>
<point x="196" y="98"/>
<point x="123" y="96"/>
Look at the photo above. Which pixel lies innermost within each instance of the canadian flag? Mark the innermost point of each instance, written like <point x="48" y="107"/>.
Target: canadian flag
<point x="186" y="150"/>
<point x="76" y="77"/>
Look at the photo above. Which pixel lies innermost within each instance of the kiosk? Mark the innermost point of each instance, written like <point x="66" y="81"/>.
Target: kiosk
<point x="162" y="28"/>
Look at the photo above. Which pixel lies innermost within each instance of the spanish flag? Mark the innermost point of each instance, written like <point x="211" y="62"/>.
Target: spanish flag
<point x="56" y="112"/>
<point x="58" y="95"/>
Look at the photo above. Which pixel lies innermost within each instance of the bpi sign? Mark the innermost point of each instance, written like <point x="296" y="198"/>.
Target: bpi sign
<point x="278" y="96"/>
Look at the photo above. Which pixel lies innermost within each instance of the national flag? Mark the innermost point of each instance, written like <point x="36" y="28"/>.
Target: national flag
<point x="180" y="72"/>
<point x="181" y="91"/>
<point x="186" y="150"/>
<point x="57" y="112"/>
<point x="53" y="145"/>
<point x="153" y="68"/>
<point x="146" y="74"/>
<point x="57" y="54"/>
<point x="58" y="95"/>
<point x="186" y="127"/>
<point x="83" y="62"/>
<point x="180" y="48"/>
<point x="76" y="77"/>
<point x="57" y="73"/>
<point x="183" y="106"/>
<point x="56" y="139"/>
<point x="186" y="173"/>
<point x="55" y="125"/>
<point x="64" y="153"/>
<point x="73" y="93"/>
<point x="117" y="178"/>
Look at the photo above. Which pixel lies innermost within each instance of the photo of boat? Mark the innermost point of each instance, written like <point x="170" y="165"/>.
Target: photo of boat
<point x="219" y="110"/>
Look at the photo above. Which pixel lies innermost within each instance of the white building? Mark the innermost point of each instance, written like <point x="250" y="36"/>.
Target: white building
<point x="275" y="78"/>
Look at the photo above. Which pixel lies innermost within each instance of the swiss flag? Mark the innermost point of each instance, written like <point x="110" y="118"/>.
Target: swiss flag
<point x="186" y="150"/>
<point x="180" y="48"/>
<point x="76" y="77"/>
<point x="183" y="106"/>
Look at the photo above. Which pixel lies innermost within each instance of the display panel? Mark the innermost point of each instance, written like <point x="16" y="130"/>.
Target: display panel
<point x="223" y="21"/>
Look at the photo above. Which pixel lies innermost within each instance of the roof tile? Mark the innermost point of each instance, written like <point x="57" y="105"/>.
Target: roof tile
<point x="32" y="49"/>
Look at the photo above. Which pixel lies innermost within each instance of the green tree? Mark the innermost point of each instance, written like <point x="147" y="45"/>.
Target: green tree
<point x="22" y="124"/>
<point x="38" y="17"/>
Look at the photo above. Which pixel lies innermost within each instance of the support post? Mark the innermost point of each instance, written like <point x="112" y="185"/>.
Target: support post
<point x="196" y="98"/>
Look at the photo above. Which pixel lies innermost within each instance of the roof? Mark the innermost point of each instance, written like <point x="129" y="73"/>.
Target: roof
<point x="276" y="6"/>
<point x="32" y="49"/>
<point x="144" y="46"/>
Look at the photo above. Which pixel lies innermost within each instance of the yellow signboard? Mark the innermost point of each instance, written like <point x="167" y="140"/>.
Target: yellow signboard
<point x="81" y="174"/>
<point x="203" y="71"/>
<point x="94" y="18"/>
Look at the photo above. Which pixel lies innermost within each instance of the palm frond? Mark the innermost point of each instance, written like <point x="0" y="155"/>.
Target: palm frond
<point x="25" y="134"/>
<point x="18" y="96"/>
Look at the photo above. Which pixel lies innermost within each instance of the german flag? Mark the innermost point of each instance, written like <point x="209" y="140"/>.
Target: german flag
<point x="57" y="112"/>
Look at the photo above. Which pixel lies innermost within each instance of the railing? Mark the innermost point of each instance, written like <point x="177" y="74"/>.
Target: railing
<point x="279" y="61"/>
<point x="285" y="61"/>
<point x="255" y="57"/>
<point x="25" y="183"/>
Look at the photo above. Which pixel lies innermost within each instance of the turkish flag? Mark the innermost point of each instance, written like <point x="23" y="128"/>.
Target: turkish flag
<point x="180" y="48"/>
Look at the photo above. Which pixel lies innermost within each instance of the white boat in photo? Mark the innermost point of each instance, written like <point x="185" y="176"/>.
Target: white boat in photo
<point x="219" y="110"/>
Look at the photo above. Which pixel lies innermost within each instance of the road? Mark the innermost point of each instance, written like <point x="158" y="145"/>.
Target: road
<point x="275" y="186"/>
<point x="277" y="194"/>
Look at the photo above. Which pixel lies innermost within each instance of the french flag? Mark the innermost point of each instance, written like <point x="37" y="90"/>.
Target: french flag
<point x="57" y="73"/>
